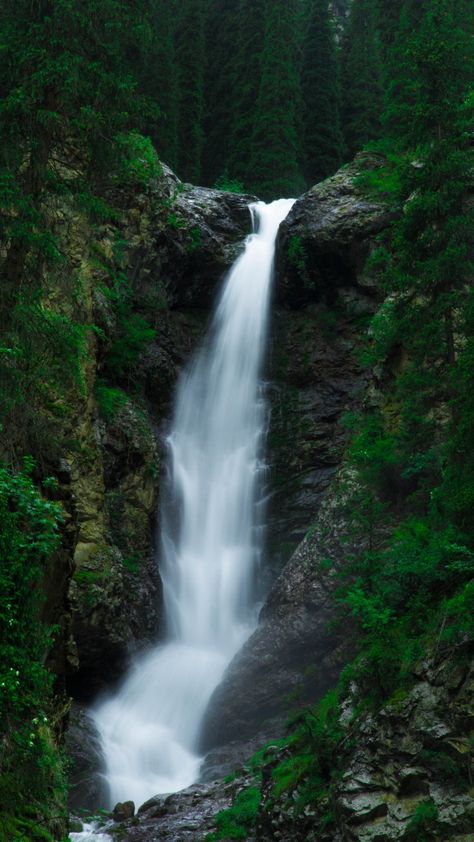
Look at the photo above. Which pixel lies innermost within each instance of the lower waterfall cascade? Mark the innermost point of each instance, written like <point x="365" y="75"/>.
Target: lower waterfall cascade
<point x="211" y="538"/>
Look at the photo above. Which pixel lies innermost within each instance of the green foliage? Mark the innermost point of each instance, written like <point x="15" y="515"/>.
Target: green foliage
<point x="138" y="162"/>
<point x="109" y="400"/>
<point x="238" y="820"/>
<point x="423" y="822"/>
<point x="323" y="140"/>
<point x="229" y="185"/>
<point x="31" y="772"/>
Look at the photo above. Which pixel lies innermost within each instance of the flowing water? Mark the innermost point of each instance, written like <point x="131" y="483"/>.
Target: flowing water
<point x="211" y="538"/>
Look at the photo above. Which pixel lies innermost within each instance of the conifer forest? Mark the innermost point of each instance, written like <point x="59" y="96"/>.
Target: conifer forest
<point x="236" y="420"/>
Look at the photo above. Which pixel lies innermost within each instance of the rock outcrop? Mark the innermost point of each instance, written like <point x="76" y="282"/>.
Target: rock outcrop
<point x="326" y="239"/>
<point x="186" y="816"/>
<point x="410" y="773"/>
<point x="293" y="656"/>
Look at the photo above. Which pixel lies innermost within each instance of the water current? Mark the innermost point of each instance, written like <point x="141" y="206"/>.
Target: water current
<point x="210" y="537"/>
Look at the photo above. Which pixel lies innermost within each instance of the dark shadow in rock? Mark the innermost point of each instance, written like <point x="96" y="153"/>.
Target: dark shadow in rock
<point x="87" y="788"/>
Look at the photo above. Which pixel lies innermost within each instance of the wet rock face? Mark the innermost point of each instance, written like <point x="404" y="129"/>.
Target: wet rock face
<point x="201" y="234"/>
<point x="324" y="242"/>
<point x="115" y="592"/>
<point x="314" y="379"/>
<point x="82" y="745"/>
<point x="414" y="752"/>
<point x="293" y="656"/>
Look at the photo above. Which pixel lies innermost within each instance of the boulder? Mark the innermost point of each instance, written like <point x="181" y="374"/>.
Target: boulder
<point x="200" y="233"/>
<point x="294" y="656"/>
<point x="325" y="240"/>
<point x="123" y="811"/>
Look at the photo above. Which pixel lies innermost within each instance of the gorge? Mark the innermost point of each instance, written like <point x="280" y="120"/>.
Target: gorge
<point x="312" y="377"/>
<point x="236" y="432"/>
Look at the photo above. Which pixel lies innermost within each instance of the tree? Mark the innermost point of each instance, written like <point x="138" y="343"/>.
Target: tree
<point x="65" y="76"/>
<point x="250" y="37"/>
<point x="191" y="62"/>
<point x="361" y="77"/>
<point x="323" y="141"/>
<point x="158" y="80"/>
<point x="275" y="162"/>
<point x="220" y="86"/>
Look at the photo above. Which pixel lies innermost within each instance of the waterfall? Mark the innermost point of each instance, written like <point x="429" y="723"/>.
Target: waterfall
<point x="210" y="538"/>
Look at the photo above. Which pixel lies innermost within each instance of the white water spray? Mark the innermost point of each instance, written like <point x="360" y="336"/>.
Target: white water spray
<point x="211" y="542"/>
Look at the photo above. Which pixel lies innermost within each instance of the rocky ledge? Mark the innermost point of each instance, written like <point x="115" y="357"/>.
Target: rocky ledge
<point x="325" y="240"/>
<point x="409" y="776"/>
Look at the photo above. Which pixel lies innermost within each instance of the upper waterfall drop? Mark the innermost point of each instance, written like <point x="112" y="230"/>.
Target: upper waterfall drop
<point x="210" y="539"/>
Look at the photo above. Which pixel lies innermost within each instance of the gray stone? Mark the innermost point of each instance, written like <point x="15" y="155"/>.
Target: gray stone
<point x="123" y="811"/>
<point x="324" y="242"/>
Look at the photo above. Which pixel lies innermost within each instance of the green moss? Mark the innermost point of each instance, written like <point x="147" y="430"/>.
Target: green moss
<point x="422" y="823"/>
<point x="89" y="577"/>
<point x="110" y="399"/>
<point x="238" y="821"/>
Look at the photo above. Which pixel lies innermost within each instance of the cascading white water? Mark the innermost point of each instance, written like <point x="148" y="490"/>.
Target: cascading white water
<point x="149" y="730"/>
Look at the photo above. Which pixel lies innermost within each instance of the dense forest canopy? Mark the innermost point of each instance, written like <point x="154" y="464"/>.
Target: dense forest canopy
<point x="269" y="97"/>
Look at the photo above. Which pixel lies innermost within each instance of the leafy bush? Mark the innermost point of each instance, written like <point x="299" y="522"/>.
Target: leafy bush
<point x="31" y="771"/>
<point x="228" y="184"/>
<point x="109" y="400"/>
<point x="138" y="162"/>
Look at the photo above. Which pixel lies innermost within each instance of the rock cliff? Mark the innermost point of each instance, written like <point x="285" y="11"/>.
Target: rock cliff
<point x="408" y="775"/>
<point x="170" y="244"/>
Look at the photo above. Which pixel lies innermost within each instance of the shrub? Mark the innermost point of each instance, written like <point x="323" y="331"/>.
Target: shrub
<point x="31" y="771"/>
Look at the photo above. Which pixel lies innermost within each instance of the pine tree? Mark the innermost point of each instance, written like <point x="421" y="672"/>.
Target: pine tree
<point x="388" y="16"/>
<point x="361" y="77"/>
<point x="191" y="63"/>
<point x="67" y="74"/>
<point x="323" y="141"/>
<point x="430" y="66"/>
<point x="429" y="115"/>
<point x="274" y="166"/>
<point x="220" y="86"/>
<point x="250" y="37"/>
<point x="158" y="79"/>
